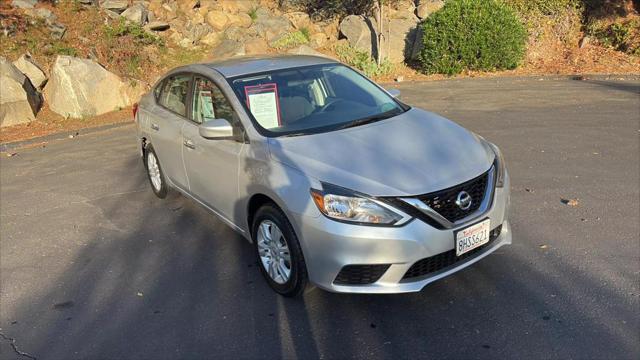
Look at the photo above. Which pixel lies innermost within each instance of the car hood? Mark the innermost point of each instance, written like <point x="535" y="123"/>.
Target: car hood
<point x="414" y="153"/>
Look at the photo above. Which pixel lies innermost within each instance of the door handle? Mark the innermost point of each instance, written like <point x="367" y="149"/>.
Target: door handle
<point x="188" y="143"/>
<point x="155" y="127"/>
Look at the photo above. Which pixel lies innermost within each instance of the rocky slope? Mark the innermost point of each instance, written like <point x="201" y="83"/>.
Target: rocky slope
<point x="82" y="58"/>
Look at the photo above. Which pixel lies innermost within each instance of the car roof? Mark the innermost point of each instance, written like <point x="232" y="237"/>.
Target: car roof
<point x="255" y="64"/>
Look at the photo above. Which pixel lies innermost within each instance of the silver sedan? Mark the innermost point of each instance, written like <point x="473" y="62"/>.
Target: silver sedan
<point x="335" y="181"/>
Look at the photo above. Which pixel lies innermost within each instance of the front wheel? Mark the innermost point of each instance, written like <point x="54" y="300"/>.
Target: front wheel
<point x="279" y="252"/>
<point x="154" y="173"/>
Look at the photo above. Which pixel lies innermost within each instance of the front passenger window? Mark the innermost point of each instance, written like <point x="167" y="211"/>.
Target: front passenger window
<point x="209" y="103"/>
<point x="174" y="94"/>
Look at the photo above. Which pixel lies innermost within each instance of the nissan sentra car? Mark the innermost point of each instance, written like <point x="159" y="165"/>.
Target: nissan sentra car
<point x="334" y="181"/>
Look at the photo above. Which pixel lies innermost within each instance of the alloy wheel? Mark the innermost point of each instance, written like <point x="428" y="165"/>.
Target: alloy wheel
<point x="274" y="252"/>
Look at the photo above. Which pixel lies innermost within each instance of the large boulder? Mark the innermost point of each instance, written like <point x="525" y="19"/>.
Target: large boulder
<point x="360" y="32"/>
<point x="306" y="50"/>
<point x="428" y="7"/>
<point x="19" y="100"/>
<point x="33" y="71"/>
<point x="115" y="5"/>
<point x="229" y="48"/>
<point x="270" y="26"/>
<point x="256" y="46"/>
<point x="399" y="41"/>
<point x="137" y="14"/>
<point x="81" y="88"/>
<point x="217" y="19"/>
<point x="24" y="4"/>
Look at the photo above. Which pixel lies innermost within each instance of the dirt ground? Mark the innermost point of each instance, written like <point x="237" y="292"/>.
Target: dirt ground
<point x="48" y="122"/>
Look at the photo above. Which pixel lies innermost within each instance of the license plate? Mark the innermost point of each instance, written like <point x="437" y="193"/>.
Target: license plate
<point x="472" y="237"/>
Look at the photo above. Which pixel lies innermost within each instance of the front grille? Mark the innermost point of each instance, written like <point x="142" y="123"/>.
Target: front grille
<point x="444" y="201"/>
<point x="360" y="274"/>
<point x="446" y="259"/>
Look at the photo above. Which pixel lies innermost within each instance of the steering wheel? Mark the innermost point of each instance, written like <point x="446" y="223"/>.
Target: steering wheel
<point x="328" y="105"/>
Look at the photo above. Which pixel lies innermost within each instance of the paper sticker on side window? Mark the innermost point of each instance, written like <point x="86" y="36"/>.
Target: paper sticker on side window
<point x="263" y="104"/>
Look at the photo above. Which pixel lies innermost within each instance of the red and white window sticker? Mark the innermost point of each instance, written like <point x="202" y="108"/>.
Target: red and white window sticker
<point x="264" y="105"/>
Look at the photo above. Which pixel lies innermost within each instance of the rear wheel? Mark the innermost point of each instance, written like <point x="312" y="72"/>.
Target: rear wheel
<point x="278" y="250"/>
<point x="154" y="173"/>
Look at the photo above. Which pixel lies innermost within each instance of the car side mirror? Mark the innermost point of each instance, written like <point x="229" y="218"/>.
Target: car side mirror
<point x="394" y="92"/>
<point x="216" y="129"/>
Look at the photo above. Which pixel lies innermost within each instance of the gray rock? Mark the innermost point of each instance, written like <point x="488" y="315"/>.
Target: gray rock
<point x="270" y="26"/>
<point x="20" y="101"/>
<point x="417" y="44"/>
<point x="24" y="4"/>
<point x="115" y="5"/>
<point x="306" y="50"/>
<point x="238" y="33"/>
<point x="33" y="71"/>
<point x="137" y="14"/>
<point x="399" y="39"/>
<point x="428" y="7"/>
<point x="80" y="88"/>
<point x="158" y="26"/>
<point x="42" y="13"/>
<point x="57" y="30"/>
<point x="360" y="32"/>
<point x="229" y="48"/>
<point x="195" y="32"/>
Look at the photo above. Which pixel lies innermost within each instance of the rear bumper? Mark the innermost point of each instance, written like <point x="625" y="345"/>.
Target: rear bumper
<point x="329" y="246"/>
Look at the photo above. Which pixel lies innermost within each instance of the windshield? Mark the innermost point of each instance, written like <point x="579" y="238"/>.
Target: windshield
<point x="313" y="99"/>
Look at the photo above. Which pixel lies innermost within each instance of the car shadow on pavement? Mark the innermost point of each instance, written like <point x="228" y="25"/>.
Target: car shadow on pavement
<point x="617" y="85"/>
<point x="167" y="280"/>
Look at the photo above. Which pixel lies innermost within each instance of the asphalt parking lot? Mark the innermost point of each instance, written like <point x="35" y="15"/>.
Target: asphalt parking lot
<point x="94" y="266"/>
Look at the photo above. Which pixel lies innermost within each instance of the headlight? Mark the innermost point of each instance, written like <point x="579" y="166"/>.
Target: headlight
<point x="345" y="205"/>
<point x="499" y="164"/>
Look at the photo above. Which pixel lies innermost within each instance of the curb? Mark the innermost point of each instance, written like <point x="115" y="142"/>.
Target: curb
<point x="6" y="147"/>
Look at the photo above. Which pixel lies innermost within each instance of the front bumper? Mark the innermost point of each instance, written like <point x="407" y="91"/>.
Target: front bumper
<point x="329" y="246"/>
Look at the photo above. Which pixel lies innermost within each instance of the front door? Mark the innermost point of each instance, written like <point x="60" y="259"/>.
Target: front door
<point x="212" y="164"/>
<point x="166" y="122"/>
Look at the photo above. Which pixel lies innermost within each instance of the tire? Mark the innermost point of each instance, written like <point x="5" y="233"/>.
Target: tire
<point x="158" y="184"/>
<point x="297" y="280"/>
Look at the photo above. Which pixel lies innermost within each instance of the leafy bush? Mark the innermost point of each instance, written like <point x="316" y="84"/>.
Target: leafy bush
<point x="59" y="48"/>
<point x="622" y="36"/>
<point x="253" y="14"/>
<point x="330" y="9"/>
<point x="137" y="32"/>
<point x="292" y="39"/>
<point x="472" y="35"/>
<point x="362" y="61"/>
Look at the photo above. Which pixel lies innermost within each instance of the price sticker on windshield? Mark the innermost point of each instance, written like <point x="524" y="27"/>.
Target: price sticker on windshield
<point x="264" y="105"/>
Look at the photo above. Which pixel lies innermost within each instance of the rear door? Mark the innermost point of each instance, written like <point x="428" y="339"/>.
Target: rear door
<point x="166" y="124"/>
<point x="212" y="164"/>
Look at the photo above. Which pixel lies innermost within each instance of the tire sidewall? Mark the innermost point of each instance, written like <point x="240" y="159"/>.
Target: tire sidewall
<point x="162" y="193"/>
<point x="298" y="279"/>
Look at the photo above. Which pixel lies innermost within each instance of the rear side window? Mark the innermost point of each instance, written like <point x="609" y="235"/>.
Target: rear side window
<point x="175" y="91"/>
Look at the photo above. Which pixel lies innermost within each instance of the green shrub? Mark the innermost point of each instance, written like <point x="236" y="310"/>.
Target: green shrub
<point x="472" y="35"/>
<point x="137" y="32"/>
<point x="253" y="14"/>
<point x="59" y="48"/>
<point x="362" y="61"/>
<point x="290" y="40"/>
<point x="622" y="36"/>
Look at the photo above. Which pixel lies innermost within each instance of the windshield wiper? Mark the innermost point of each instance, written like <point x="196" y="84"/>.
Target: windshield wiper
<point x="371" y="119"/>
